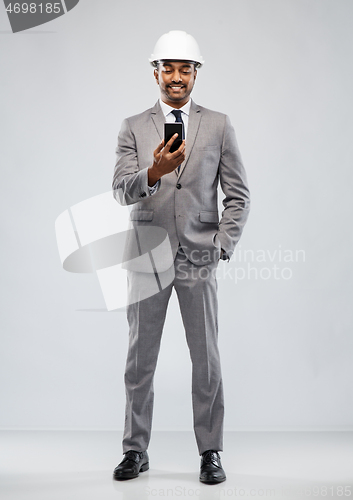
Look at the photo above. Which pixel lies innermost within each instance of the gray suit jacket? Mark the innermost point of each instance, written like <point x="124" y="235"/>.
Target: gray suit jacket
<point x="185" y="204"/>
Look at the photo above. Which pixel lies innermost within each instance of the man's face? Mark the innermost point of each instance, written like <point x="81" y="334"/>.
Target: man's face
<point x="176" y="80"/>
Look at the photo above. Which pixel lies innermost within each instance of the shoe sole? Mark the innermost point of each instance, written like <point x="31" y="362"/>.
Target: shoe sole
<point x="214" y="481"/>
<point x="123" y="478"/>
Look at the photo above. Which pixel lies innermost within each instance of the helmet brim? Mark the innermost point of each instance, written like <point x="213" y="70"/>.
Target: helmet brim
<point x="197" y="64"/>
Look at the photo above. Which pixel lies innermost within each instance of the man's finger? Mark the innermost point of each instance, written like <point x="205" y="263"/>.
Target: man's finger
<point x="157" y="157"/>
<point x="178" y="154"/>
<point x="181" y="148"/>
<point x="159" y="148"/>
<point x="170" y="142"/>
<point x="179" y="151"/>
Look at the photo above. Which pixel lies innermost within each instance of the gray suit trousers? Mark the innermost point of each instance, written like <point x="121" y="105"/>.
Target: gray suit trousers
<point x="196" y="288"/>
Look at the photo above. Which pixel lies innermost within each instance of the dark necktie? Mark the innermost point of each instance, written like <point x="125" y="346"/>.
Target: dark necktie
<point x="178" y="119"/>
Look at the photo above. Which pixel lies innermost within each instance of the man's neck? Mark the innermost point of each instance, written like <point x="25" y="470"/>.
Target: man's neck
<point x="167" y="108"/>
<point x="175" y="105"/>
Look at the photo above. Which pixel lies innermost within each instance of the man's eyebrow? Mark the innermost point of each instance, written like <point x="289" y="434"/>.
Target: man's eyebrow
<point x="188" y="65"/>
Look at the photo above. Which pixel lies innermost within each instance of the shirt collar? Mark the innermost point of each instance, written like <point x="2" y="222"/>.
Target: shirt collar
<point x="168" y="109"/>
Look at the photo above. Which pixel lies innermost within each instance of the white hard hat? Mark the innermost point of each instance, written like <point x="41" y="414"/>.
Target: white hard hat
<point x="177" y="46"/>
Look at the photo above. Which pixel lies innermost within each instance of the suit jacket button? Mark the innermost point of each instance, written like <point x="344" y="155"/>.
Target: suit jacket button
<point x="142" y="195"/>
<point x="178" y="186"/>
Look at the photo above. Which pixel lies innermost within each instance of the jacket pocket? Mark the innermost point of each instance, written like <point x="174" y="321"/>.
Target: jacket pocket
<point x="209" y="217"/>
<point x="208" y="148"/>
<point x="146" y="215"/>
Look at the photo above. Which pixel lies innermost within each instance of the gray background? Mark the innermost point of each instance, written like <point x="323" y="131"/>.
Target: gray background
<point x="282" y="71"/>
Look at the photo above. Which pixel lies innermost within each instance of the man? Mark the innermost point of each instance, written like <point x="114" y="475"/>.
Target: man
<point x="178" y="192"/>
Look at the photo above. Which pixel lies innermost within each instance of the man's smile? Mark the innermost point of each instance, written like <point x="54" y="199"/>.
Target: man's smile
<point x="176" y="88"/>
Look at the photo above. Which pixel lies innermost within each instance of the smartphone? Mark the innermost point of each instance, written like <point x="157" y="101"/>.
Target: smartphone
<point x="169" y="130"/>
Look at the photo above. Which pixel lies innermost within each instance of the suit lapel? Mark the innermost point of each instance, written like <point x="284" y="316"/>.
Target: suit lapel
<point x="193" y="128"/>
<point x="158" y="119"/>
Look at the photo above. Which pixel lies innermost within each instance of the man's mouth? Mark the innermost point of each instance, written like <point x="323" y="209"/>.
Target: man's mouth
<point x="176" y="88"/>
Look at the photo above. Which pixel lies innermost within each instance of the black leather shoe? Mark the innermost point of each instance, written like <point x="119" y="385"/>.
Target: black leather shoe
<point x="132" y="464"/>
<point x="211" y="471"/>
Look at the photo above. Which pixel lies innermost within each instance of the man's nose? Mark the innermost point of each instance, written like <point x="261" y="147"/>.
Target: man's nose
<point x="176" y="76"/>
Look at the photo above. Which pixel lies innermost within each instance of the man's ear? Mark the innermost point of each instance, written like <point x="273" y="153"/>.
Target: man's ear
<point x="155" y="72"/>
<point x="195" y="74"/>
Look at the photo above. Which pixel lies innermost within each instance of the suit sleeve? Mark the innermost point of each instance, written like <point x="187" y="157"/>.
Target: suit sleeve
<point x="235" y="188"/>
<point x="130" y="184"/>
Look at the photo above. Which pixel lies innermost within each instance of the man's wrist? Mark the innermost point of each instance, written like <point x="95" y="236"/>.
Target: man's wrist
<point x="153" y="176"/>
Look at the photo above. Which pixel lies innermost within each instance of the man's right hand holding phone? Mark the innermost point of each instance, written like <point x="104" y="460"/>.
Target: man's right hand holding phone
<point x="165" y="161"/>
